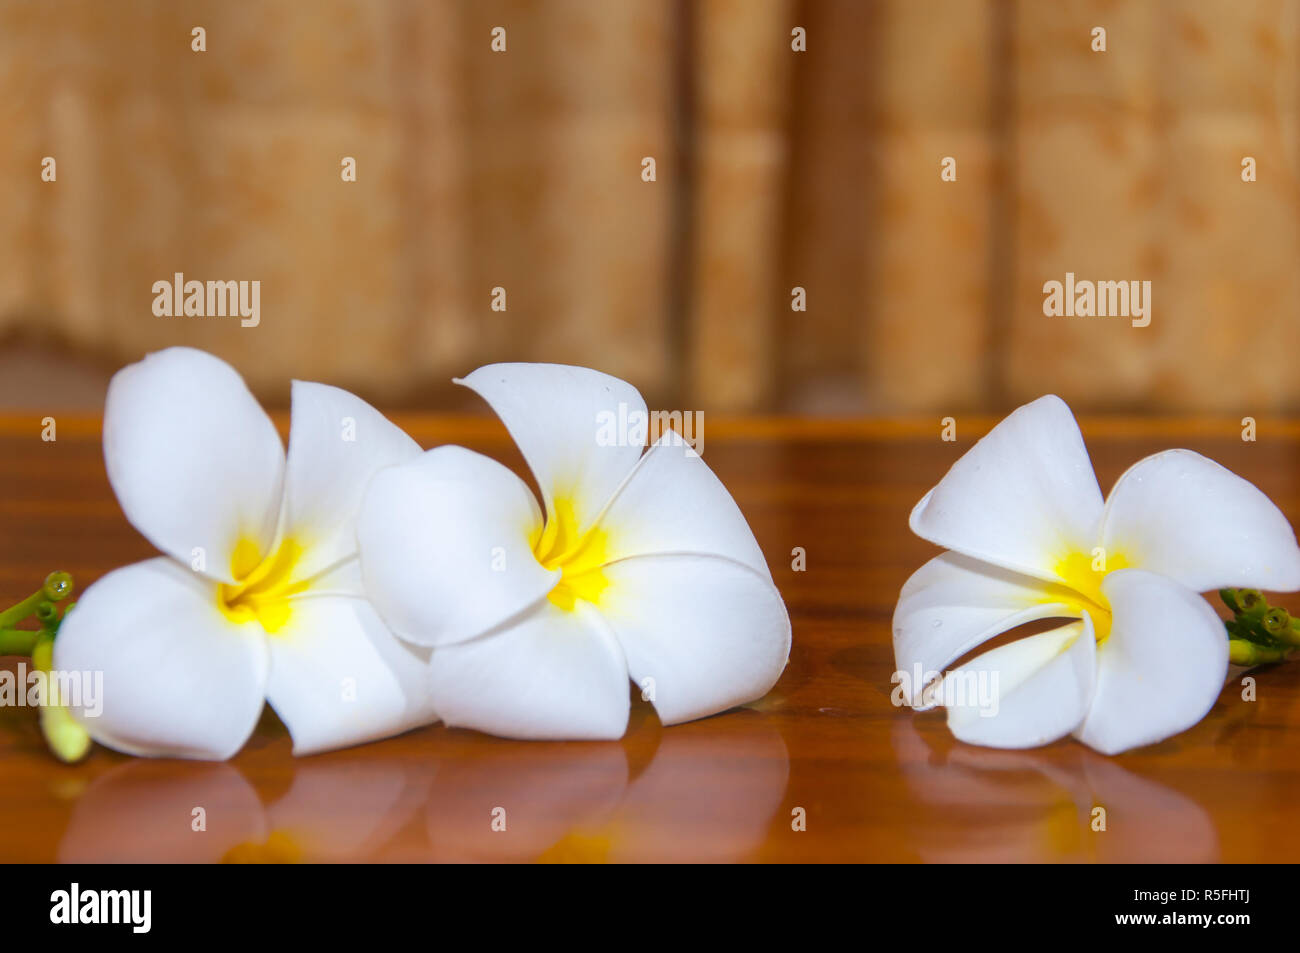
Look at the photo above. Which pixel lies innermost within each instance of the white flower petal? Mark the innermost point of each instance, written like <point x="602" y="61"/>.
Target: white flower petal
<point x="445" y="546"/>
<point x="954" y="603"/>
<point x="561" y="417"/>
<point x="550" y="674"/>
<point x="180" y="679"/>
<point x="339" y="677"/>
<point x="673" y="503"/>
<point x="337" y="442"/>
<point x="710" y="633"/>
<point x="1023" y="497"/>
<point x="195" y="462"/>
<point x="1026" y="693"/>
<point x="1184" y="516"/>
<point x="1161" y="669"/>
<point x="342" y="579"/>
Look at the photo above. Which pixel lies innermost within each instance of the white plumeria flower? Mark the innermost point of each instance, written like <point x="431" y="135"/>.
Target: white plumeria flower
<point x="643" y="565"/>
<point x="1031" y="538"/>
<point x="258" y="597"/>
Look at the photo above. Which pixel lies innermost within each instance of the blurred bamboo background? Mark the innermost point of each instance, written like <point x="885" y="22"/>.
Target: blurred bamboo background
<point x="775" y="168"/>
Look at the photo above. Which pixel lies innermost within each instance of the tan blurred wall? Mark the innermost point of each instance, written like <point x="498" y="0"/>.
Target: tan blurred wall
<point x="775" y="168"/>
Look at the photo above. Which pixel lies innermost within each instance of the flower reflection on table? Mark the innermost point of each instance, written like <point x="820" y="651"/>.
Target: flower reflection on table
<point x="988" y="805"/>
<point x="472" y="798"/>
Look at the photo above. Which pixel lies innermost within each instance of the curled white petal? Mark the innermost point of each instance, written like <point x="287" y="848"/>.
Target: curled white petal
<point x="339" y="677"/>
<point x="195" y="462"/>
<point x="673" y="503"/>
<point x="1182" y="515"/>
<point x="576" y="428"/>
<point x="179" y="679"/>
<point x="550" y="674"/>
<point x="701" y="633"/>
<point x="1021" y="498"/>
<point x="445" y="544"/>
<point x="953" y="604"/>
<point x="337" y="443"/>
<point x="1026" y="693"/>
<point x="341" y="579"/>
<point x="1161" y="669"/>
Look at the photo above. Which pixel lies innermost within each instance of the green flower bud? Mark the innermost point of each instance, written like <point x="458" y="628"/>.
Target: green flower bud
<point x="1241" y="652"/>
<point x="1232" y="599"/>
<point x="1276" y="621"/>
<point x="65" y="736"/>
<point x="1252" y="601"/>
<point x="58" y="585"/>
<point x="43" y="652"/>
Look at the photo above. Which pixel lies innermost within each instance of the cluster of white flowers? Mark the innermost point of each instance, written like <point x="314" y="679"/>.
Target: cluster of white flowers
<point x="363" y="587"/>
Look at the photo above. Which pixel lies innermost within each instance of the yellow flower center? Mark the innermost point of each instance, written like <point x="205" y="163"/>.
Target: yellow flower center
<point x="579" y="558"/>
<point x="263" y="585"/>
<point x="1083" y="573"/>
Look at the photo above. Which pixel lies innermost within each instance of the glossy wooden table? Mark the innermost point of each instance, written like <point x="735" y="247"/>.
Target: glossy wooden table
<point x="874" y="782"/>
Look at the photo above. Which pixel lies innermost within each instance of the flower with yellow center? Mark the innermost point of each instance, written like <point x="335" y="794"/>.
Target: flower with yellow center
<point x="1030" y="538"/>
<point x="258" y="597"/>
<point x="642" y="565"/>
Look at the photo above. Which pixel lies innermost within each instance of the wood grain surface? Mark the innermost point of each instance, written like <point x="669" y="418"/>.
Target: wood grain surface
<point x="875" y="782"/>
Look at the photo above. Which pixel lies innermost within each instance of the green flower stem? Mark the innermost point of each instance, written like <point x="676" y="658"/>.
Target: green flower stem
<point x="1242" y="652"/>
<point x="56" y="588"/>
<point x="68" y="740"/>
<point x="15" y="614"/>
<point x="18" y="641"/>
